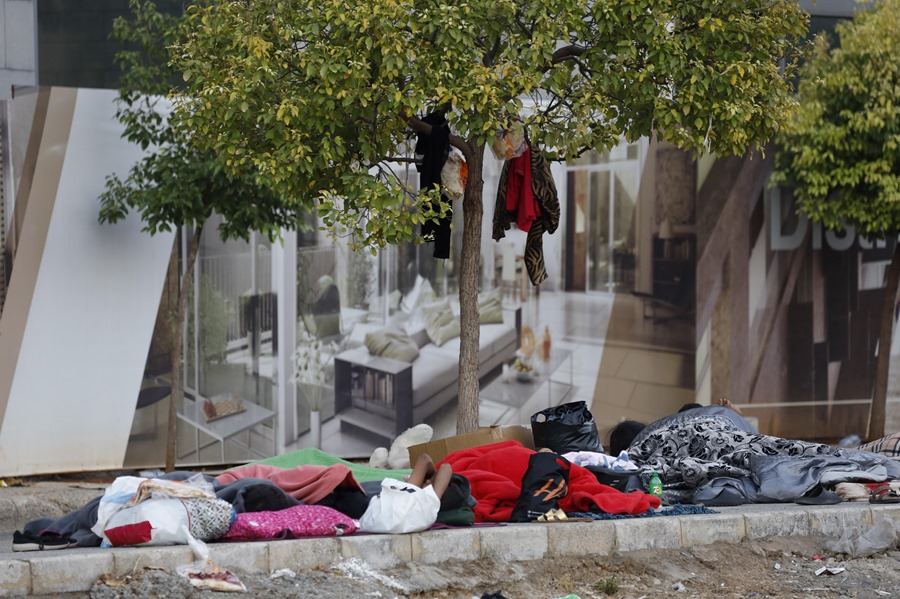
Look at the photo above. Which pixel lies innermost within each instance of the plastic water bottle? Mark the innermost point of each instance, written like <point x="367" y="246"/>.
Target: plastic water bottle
<point x="655" y="486"/>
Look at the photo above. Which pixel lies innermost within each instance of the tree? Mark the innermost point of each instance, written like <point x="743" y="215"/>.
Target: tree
<point x="842" y="151"/>
<point x="320" y="97"/>
<point x="176" y="185"/>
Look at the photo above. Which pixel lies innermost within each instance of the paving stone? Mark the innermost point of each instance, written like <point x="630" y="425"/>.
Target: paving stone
<point x="381" y="551"/>
<point x="15" y="578"/>
<point x="772" y="523"/>
<point x="574" y="539"/>
<point x="647" y="533"/>
<point x="515" y="542"/>
<point x="709" y="528"/>
<point x="241" y="557"/>
<point x="129" y="560"/>
<point x="70" y="571"/>
<point x="437" y="546"/>
<point x="303" y="554"/>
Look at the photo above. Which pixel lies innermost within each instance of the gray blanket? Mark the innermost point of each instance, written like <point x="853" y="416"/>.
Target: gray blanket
<point x="709" y="456"/>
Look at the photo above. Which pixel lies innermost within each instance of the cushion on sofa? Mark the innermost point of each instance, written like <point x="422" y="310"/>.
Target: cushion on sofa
<point x="432" y="372"/>
<point x="490" y="307"/>
<point x="421" y="293"/>
<point x="391" y="343"/>
<point x="440" y="322"/>
<point x="419" y="335"/>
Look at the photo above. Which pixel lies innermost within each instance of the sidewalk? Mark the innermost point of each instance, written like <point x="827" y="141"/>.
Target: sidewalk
<point x="76" y="569"/>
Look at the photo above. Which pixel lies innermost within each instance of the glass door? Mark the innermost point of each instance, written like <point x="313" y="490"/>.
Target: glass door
<point x="600" y="236"/>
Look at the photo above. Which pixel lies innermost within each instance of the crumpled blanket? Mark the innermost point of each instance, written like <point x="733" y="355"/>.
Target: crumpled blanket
<point x="495" y="473"/>
<point x="620" y="462"/>
<point x="307" y="483"/>
<point x="706" y="457"/>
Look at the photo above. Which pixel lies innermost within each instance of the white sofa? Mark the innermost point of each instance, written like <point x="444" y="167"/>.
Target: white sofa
<point x="416" y="393"/>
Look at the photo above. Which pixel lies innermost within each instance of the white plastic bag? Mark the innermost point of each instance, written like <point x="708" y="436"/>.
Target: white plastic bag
<point x="856" y="543"/>
<point x="454" y="176"/>
<point x="151" y="522"/>
<point x="114" y="499"/>
<point x="400" y="508"/>
<point x="510" y="143"/>
<point x="128" y="494"/>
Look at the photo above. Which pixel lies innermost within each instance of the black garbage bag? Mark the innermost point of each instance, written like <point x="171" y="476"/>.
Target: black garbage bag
<point x="545" y="482"/>
<point x="565" y="428"/>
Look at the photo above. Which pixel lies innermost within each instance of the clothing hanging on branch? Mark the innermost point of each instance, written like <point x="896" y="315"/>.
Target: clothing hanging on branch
<point x="431" y="154"/>
<point x="534" y="205"/>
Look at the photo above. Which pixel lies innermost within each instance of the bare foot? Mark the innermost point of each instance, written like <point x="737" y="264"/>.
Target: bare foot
<point x="724" y="402"/>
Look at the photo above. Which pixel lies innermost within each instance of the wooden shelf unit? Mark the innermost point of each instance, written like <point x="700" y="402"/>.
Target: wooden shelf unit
<point x="378" y="397"/>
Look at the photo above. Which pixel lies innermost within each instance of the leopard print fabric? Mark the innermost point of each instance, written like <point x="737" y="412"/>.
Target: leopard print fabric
<point x="544" y="190"/>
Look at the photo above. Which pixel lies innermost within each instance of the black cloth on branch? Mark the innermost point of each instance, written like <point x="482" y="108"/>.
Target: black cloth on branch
<point x="431" y="154"/>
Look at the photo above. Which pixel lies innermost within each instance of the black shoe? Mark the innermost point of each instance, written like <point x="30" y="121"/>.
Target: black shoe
<point x="30" y="542"/>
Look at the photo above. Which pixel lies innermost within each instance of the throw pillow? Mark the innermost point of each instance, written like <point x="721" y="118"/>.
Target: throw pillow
<point x="391" y="344"/>
<point x="490" y="307"/>
<point x="408" y="303"/>
<point x="293" y="522"/>
<point x="440" y="322"/>
<point x="421" y="293"/>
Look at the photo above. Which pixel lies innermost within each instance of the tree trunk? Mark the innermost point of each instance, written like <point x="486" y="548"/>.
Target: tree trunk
<point x="177" y="396"/>
<point x="469" y="269"/>
<point x="883" y="365"/>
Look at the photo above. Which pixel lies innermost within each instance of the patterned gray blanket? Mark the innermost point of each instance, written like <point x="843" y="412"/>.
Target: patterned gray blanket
<point x="708" y="458"/>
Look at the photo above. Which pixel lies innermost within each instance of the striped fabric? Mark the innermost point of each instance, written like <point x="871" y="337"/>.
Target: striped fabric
<point x="889" y="446"/>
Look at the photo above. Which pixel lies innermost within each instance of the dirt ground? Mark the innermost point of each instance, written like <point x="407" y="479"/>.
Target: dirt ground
<point x="779" y="567"/>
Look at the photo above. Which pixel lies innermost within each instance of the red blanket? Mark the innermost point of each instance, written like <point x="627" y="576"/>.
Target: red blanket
<point x="495" y="473"/>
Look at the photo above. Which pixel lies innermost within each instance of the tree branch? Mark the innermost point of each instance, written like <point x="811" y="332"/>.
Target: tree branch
<point x="567" y="52"/>
<point x="420" y="126"/>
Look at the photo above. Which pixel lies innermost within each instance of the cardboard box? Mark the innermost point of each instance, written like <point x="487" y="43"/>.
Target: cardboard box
<point x="439" y="449"/>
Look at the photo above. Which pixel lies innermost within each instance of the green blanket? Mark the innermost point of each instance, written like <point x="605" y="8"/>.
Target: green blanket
<point x="317" y="457"/>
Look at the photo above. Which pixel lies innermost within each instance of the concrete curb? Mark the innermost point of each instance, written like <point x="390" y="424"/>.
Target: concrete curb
<point x="75" y="570"/>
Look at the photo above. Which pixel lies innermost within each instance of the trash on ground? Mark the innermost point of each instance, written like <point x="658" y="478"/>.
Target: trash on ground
<point x="885" y="534"/>
<point x="826" y="570"/>
<point x="283" y="573"/>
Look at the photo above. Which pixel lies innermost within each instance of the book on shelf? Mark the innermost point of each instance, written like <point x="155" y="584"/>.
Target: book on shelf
<point x="370" y="384"/>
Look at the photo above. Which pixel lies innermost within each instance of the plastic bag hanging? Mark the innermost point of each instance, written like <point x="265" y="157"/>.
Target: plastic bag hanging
<point x="510" y="142"/>
<point x="454" y="176"/>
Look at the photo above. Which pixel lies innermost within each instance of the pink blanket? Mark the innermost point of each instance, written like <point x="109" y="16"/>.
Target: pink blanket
<point x="495" y="473"/>
<point x="307" y="483"/>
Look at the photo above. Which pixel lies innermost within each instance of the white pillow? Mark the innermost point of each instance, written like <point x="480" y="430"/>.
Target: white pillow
<point x="408" y="303"/>
<point x="421" y="293"/>
<point x="441" y="323"/>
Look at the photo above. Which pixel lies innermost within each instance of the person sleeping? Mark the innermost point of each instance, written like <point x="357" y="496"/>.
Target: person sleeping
<point x="711" y="455"/>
